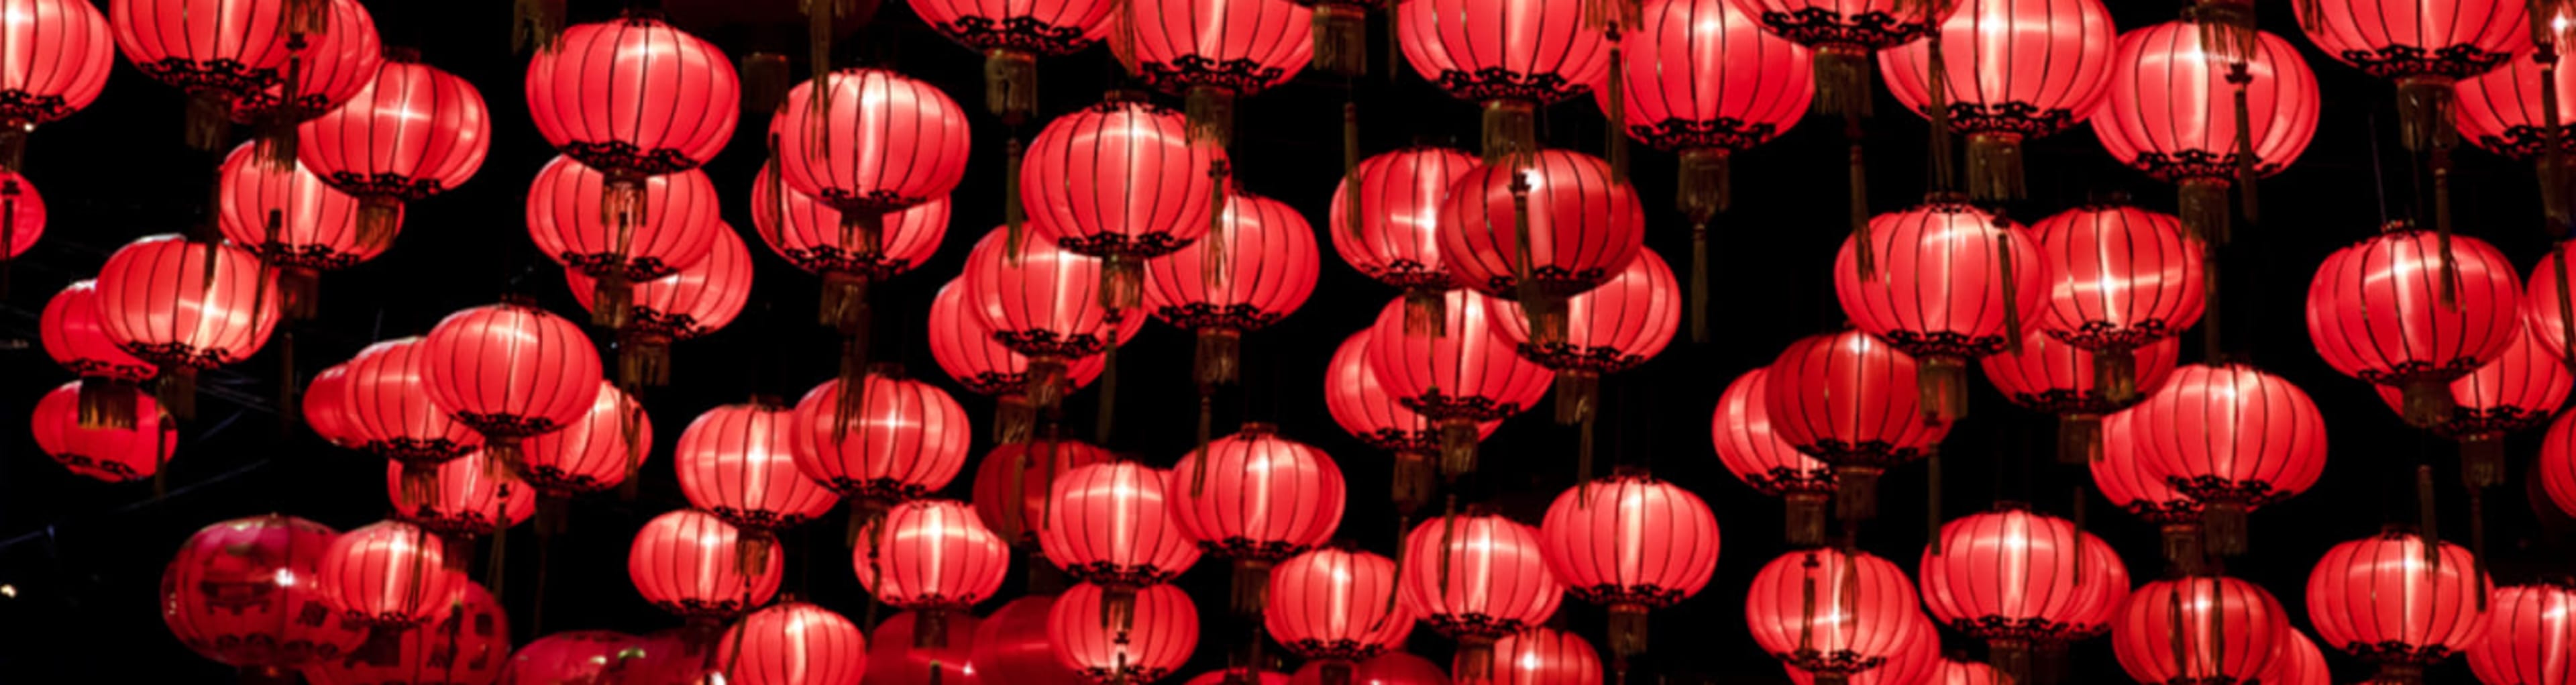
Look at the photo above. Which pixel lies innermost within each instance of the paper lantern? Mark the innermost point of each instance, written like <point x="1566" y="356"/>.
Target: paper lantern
<point x="684" y="562"/>
<point x="1833" y="613"/>
<point x="1951" y="284"/>
<point x="105" y="453"/>
<point x="1165" y="628"/>
<point x="1497" y="584"/>
<point x="601" y="450"/>
<point x="793" y="643"/>
<point x="1761" y="458"/>
<point x="1013" y="481"/>
<point x="1121" y="181"/>
<point x="222" y="314"/>
<point x="2399" y="600"/>
<point x="2010" y="70"/>
<point x="1632" y="543"/>
<point x="1255" y="271"/>
<point x="1256" y="498"/>
<point x="2161" y="113"/>
<point x="2234" y="438"/>
<point x="77" y="48"/>
<point x="1467" y="376"/>
<point x="2199" y="629"/>
<point x="2051" y="376"/>
<point x="1510" y="56"/>
<point x="931" y="558"/>
<point x="74" y="332"/>
<point x="414" y="132"/>
<point x="242" y="592"/>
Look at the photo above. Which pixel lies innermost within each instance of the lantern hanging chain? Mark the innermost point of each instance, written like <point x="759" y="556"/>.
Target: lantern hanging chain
<point x="2430" y="535"/>
<point x="1932" y="502"/>
<point x="1863" y="251"/>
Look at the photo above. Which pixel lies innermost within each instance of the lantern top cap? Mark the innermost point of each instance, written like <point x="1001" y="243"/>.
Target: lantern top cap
<point x="2395" y="530"/>
<point x="519" y="300"/>
<point x="766" y="402"/>
<point x="2002" y="505"/>
<point x="640" y="15"/>
<point x="403" y="54"/>
<point x="1257" y="428"/>
<point x="889" y="370"/>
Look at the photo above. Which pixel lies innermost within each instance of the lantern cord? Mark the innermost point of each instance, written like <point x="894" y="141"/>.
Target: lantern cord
<point x="2439" y="159"/>
<point x="536" y="23"/>
<point x="1932" y="502"/>
<point x="2012" y="297"/>
<point x="1108" y="417"/>
<point x="2075" y="507"/>
<point x="1617" y="143"/>
<point x="1198" y="457"/>
<point x="2431" y="534"/>
<point x="1394" y="41"/>
<point x="2566" y="304"/>
<point x="1014" y="215"/>
<point x="2478" y="539"/>
<point x="1938" y="89"/>
<point x="2553" y="161"/>
<point x="1353" y="222"/>
<point x="1862" y="248"/>
<point x="2211" y="352"/>
<point x="2247" y="173"/>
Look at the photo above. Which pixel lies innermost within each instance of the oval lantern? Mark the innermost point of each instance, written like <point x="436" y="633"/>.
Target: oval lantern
<point x="2049" y="375"/>
<point x="878" y="142"/>
<point x="329" y="60"/>
<point x="2123" y="477"/>
<point x="1328" y="606"/>
<point x="1759" y="456"/>
<point x="2424" y="45"/>
<point x="292" y="220"/>
<point x="1114" y="529"/>
<point x="1509" y="56"/>
<point x="1256" y="498"/>
<point x="2414" y="309"/>
<point x="1040" y="305"/>
<point x="104" y="453"/>
<point x="2200" y="629"/>
<point x="2399" y="600"/>
<point x="390" y="577"/>
<point x="964" y="346"/>
<point x="2122" y="279"/>
<point x="602" y="450"/>
<point x="793" y="643"/>
<point x="2160" y="114"/>
<point x="2530" y="636"/>
<point x="1617" y="326"/>
<point x="684" y="563"/>
<point x="1632" y="543"/>
<point x="1255" y="271"/>
<point x="2018" y="579"/>
<point x="76" y="38"/>
<point x="931" y="558"/>
<point x="1844" y="398"/>
<point x="1543" y="656"/>
<point x="1467" y="376"/>
<point x="633" y="97"/>
<point x="1833" y="613"/>
<point x="242" y="592"/>
<point x="1581" y="227"/>
<point x="1367" y="412"/>
<point x="1950" y="284"/>
<point x="670" y="224"/>
<point x="326" y="409"/>
<point x="1393" y="235"/>
<point x="737" y="461"/>
<point x="2501" y="110"/>
<point x="1013" y="481"/>
<point x="391" y="415"/>
<point x="222" y="313"/>
<point x="1122" y="182"/>
<point x="808" y="231"/>
<point x="510" y="371"/>
<point x="1213" y="51"/>
<point x="2011" y="70"/>
<point x="1164" y="630"/>
<point x="215" y="50"/>
<point x="1498" y="583"/>
<point x="414" y="132"/>
<point x="2234" y="438"/>
<point x="899" y="439"/>
<point x="464" y="502"/>
<point x="690" y="303"/>
<point x="74" y="332"/>
<point x="2518" y="391"/>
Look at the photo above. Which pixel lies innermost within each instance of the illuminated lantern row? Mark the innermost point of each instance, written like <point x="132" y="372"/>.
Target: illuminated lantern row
<point x="1509" y="56"/>
<point x="1366" y="411"/>
<point x="1213" y="51"/>
<point x="1842" y="398"/>
<point x="78" y="44"/>
<point x="1951" y="284"/>
<point x="221" y="313"/>
<point x="414" y="132"/>
<point x="2010" y="70"/>
<point x="1256" y="498"/>
<point x="2161" y="115"/>
<point x="1761" y="458"/>
<point x="1632" y="543"/>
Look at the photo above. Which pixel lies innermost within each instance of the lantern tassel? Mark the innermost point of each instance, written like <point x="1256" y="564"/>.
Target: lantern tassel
<point x="378" y="218"/>
<point x="820" y="16"/>
<point x="2115" y="372"/>
<point x="1251" y="587"/>
<point x="1943" y="383"/>
<point x="1122" y="282"/>
<point x="2424" y="112"/>
<point x="2182" y="547"/>
<point x="1627" y="630"/>
<point x="179" y="391"/>
<point x="2247" y="173"/>
<point x="1046" y="382"/>
<point x="1118" y="609"/>
<point x="1199" y="455"/>
<point x="764" y="83"/>
<point x="1944" y="169"/>
<point x="1015" y="218"/>
<point x="2222" y="525"/>
<point x="1856" y="493"/>
<point x="1457" y="447"/>
<point x="1426" y="312"/>
<point x="2482" y="461"/>
<point x="1413" y="482"/>
<point x="1219" y="358"/>
<point x="2555" y="176"/>
<point x="2448" y="296"/>
<point x="2202" y="202"/>
<point x="2478" y="538"/>
<point x="1701" y="195"/>
<point x="13" y="148"/>
<point x="1013" y="419"/>
<point x="751" y="550"/>
<point x="1805" y="518"/>
<point x="1994" y="167"/>
<point x="107" y="403"/>
<point x="2430" y="531"/>
<point x="1864" y="249"/>
<point x="2079" y="438"/>
<point x="298" y="288"/>
<point x="1576" y="392"/>
<point x="1210" y="113"/>
<point x="2013" y="331"/>
<point x="1108" y="417"/>
<point x="644" y="361"/>
<point x="612" y="300"/>
<point x="1011" y="85"/>
<point x="1341" y="39"/>
<point x="2428" y="401"/>
<point x="1842" y="81"/>
<point x="1511" y="131"/>
<point x="1617" y="145"/>
<point x="537" y="24"/>
<point x="845" y="302"/>
<point x="1475" y="660"/>
<point x="208" y="123"/>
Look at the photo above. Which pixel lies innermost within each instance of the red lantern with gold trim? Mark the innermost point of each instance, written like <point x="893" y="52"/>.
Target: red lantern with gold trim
<point x="2234" y="438"/>
<point x="2415" y="309"/>
<point x="1756" y="454"/>
<point x="2011" y="70"/>
<point x="221" y="313"/>
<point x="1498" y="583"/>
<point x="1850" y="400"/>
<point x="106" y="453"/>
<point x="932" y="558"/>
<point x="2121" y="279"/>
<point x="1834" y="613"/>
<point x="1632" y="543"/>
<point x="1121" y="181"/>
<point x="1465" y="377"/>
<point x="414" y="132"/>
<point x="2162" y="113"/>
<point x="74" y="332"/>
<point x="75" y="48"/>
<point x="684" y="562"/>
<point x="245" y="593"/>
<point x="510" y="371"/>
<point x="1951" y="284"/>
<point x="1382" y="421"/>
<point x="1615" y="327"/>
<point x="1511" y="56"/>
<point x="1256" y="270"/>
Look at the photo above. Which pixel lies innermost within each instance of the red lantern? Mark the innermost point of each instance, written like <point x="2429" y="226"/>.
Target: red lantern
<point x="1843" y="33"/>
<point x="216" y="50"/>
<point x="74" y="331"/>
<point x="1328" y="606"/>
<point x="793" y="643"/>
<point x="1612" y="328"/>
<point x="2542" y="311"/>
<point x="965" y="347"/>
<point x="2500" y="110"/>
<point x="1013" y="480"/>
<point x="71" y="47"/>
<point x="684" y="563"/>
<point x="1258" y="269"/>
<point x="1391" y="668"/>
<point x="220" y="314"/>
<point x="736" y="461"/>
<point x="243" y="592"/>
<point x="2301" y="664"/>
<point x="2200" y="629"/>
<point x="1834" y="613"/>
<point x="669" y="225"/>
<point x="2016" y="578"/>
<point x="1509" y="55"/>
<point x="1165" y="630"/>
<point x="466" y="501"/>
<point x="601" y="450"/>
<point x="1366" y="411"/>
<point x="1633" y="543"/>
<point x="292" y="220"/>
<point x="1953" y="284"/>
<point x="387" y="400"/>
<point x="2098" y="600"/>
<point x="903" y="439"/>
<point x="22" y="215"/>
<point x="2424" y="45"/>
<point x="390" y="576"/>
<point x="414" y="132"/>
<point x="2530" y="635"/>
<point x="470" y="645"/>
<point x="633" y="97"/>
<point x="893" y="660"/>
<point x="1039" y="305"/>
<point x="2556" y="465"/>
<point x="326" y="407"/>
<point x="2414" y="309"/>
<point x="1114" y="528"/>
<point x="1582" y="228"/>
<point x="1256" y="498"/>
<point x="581" y="656"/>
<point x="2058" y="378"/>
<point x="2520" y="390"/>
<point x="932" y="558"/>
<point x="1012" y="34"/>
<point x="1965" y="673"/>
<point x="1395" y="236"/>
<point x="1760" y="457"/>
<point x="868" y="142"/>
<point x="2161" y="113"/>
<point x="1464" y="377"/>
<point x="1541" y="656"/>
<point x="2122" y="476"/>
<point x="810" y="233"/>
<point x="105" y="453"/>
<point x="1014" y="645"/>
<point x="2234" y="438"/>
<point x="510" y="371"/>
<point x="2012" y="70"/>
<point x="1912" y="664"/>
<point x="1497" y="584"/>
<point x="2393" y="602"/>
<point x="327" y="63"/>
<point x="1121" y="181"/>
<point x="1213" y="51"/>
<point x="2121" y="279"/>
<point x="1848" y="399"/>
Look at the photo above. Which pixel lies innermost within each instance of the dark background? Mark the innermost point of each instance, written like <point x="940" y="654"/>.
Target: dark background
<point x="84" y="557"/>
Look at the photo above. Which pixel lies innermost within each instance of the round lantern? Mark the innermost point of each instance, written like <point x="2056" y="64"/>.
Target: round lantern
<point x="328" y="61"/>
<point x="1541" y="228"/>
<point x="2360" y="589"/>
<point x="2301" y="664"/>
<point x="793" y="643"/>
<point x="464" y="502"/>
<point x="600" y="451"/>
<point x="510" y="371"/>
<point x="2520" y="390"/>
<point x="2424" y="45"/>
<point x="811" y="234"/>
<point x="1039" y="305"/>
<point x="2200" y="629"/>
<point x="1630" y="542"/>
<point x="1913" y="663"/>
<point x="670" y="225"/>
<point x="633" y="97"/>
<point x="893" y="660"/>
<point x="1328" y="606"/>
<point x="1256" y="498"/>
<point x="2234" y="438"/>
<point x="105" y="453"/>
<point x="1849" y="400"/>
<point x="216" y="50"/>
<point x="390" y="576"/>
<point x="220" y="314"/>
<point x="580" y="656"/>
<point x="22" y="215"/>
<point x="1164" y="631"/>
<point x="1843" y="33"/>
<point x="1013" y="645"/>
<point x="737" y="461"/>
<point x="240" y="592"/>
<point x="1013" y="480"/>
<point x="387" y="400"/>
<point x="1834" y="613"/>
<point x="1950" y="283"/>
<point x="414" y="132"/>
<point x="1391" y="668"/>
<point x="2161" y="115"/>
<point x="1390" y="231"/>
<point x="965" y="347"/>
<point x="1459" y="379"/>
<point x="1012" y="35"/>
<point x="2414" y="309"/>
<point x="931" y="558"/>
<point x="2123" y="477"/>
<point x="2052" y="376"/>
<point x="2123" y="278"/>
<point x="2556" y="465"/>
<point x="1759" y="456"/>
<point x="684" y="563"/>
<point x="1213" y="51"/>
<point x="2010" y="70"/>
<point x="1541" y="656"/>
<point x="1257" y="269"/>
<point x="2016" y="578"/>
<point x="1622" y="323"/>
<point x="2530" y="636"/>
<point x="896" y="439"/>
<point x="73" y="37"/>
<point x="1114" y="529"/>
<point x="1497" y="584"/>
<point x="2500" y="110"/>
<point x="74" y="331"/>
<point x="1121" y="181"/>
<point x="292" y="220"/>
<point x="1511" y="56"/>
<point x="867" y="142"/>
<point x="2543" y="312"/>
<point x="326" y="406"/>
<point x="1366" y="411"/>
<point x="470" y="645"/>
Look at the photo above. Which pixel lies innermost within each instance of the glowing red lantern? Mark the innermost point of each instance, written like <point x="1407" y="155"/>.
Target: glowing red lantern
<point x="293" y="221"/>
<point x="387" y="400"/>
<point x="1164" y="631"/>
<point x="1846" y="399"/>
<point x="326" y="406"/>
<point x="1952" y="284"/>
<point x="105" y="453"/>
<point x="2520" y="390"/>
<point x="2098" y="600"/>
<point x="1213" y="51"/>
<point x="2121" y="278"/>
<point x="470" y="645"/>
<point x="868" y="142"/>
<point x="390" y="576"/>
<point x="1843" y="33"/>
<point x="2393" y="602"/>
<point x="1014" y="645"/>
<point x="2425" y="45"/>
<point x="1582" y="228"/>
<point x="74" y="332"/>
<point x="242" y="592"/>
<point x="1121" y="181"/>
<point x="22" y="216"/>
<point x="2160" y="113"/>
<point x="1759" y="456"/>
<point x="1509" y="55"/>
<point x="1366" y="411"/>
<point x="2530" y="635"/>
<point x="415" y="131"/>
<point x="327" y="63"/>
<point x="1114" y="528"/>
<point x="932" y="558"/>
<point x="2556" y="465"/>
<point x="1256" y="498"/>
<point x="2058" y="378"/>
<point x="810" y="233"/>
<point x="1632" y="543"/>
<point x="220" y="314"/>
<point x="1466" y="376"/>
<point x="1542" y="656"/>
<point x="2414" y="309"/>
<point x="793" y="643"/>
<point x="633" y="97"/>
<point x="466" y="500"/>
<point x="1329" y="606"/>
<point x="72" y="42"/>
<point x="684" y="563"/>
<point x="2500" y="110"/>
<point x="216" y="50"/>
<point x="2234" y="438"/>
<point x="1913" y="663"/>
<point x="1012" y="34"/>
<point x="2301" y="664"/>
<point x="1013" y="480"/>
<point x="1256" y="270"/>
<point x="2013" y="70"/>
<point x="1834" y="613"/>
<point x="581" y="656"/>
<point x="2200" y="629"/>
<point x="1498" y="583"/>
<point x="597" y="452"/>
<point x="893" y="660"/>
<point x="510" y="371"/>
<point x="737" y="461"/>
<point x="1391" y="668"/>
<point x="1622" y="323"/>
<point x="900" y="439"/>
<point x="2543" y="312"/>
<point x="1039" y="305"/>
<point x="2123" y="477"/>
<point x="1394" y="237"/>
<point x="965" y="347"/>
<point x="669" y="225"/>
<point x="2015" y="578"/>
